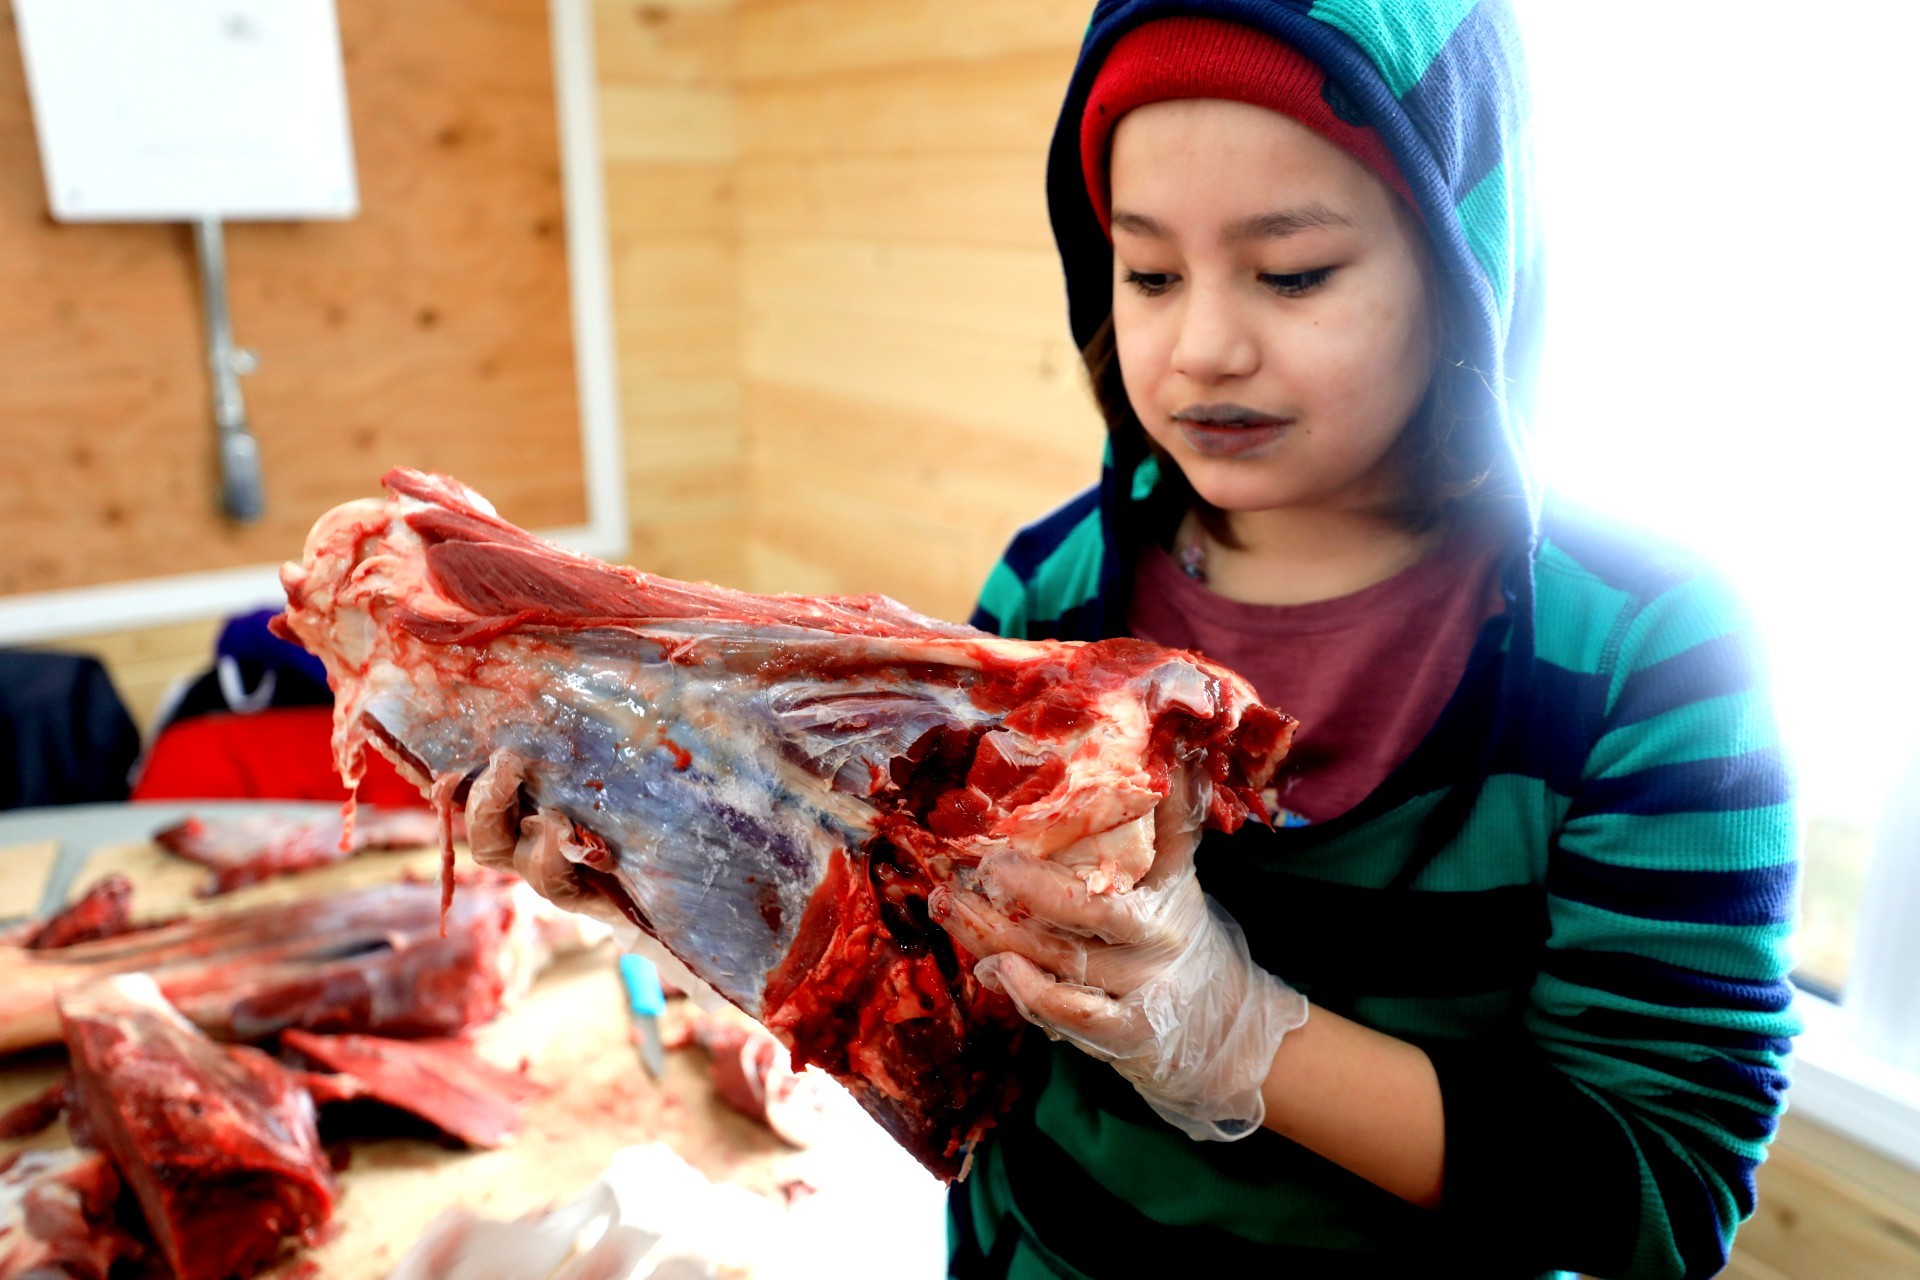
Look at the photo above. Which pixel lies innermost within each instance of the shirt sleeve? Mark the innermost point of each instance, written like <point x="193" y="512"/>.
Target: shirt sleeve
<point x="1619" y="1133"/>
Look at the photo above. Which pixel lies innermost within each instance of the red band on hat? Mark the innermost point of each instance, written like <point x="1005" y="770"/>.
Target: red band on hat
<point x="1192" y="57"/>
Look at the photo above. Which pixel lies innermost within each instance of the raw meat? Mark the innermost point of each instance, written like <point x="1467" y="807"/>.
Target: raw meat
<point x="217" y="1141"/>
<point x="753" y="1074"/>
<point x="56" y="1216"/>
<point x="37" y="1114"/>
<point x="771" y="785"/>
<point x="442" y="1081"/>
<point x="104" y="911"/>
<point x="244" y="851"/>
<point x="358" y="960"/>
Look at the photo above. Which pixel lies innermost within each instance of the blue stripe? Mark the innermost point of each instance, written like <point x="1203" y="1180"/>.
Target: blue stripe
<point x="1753" y="780"/>
<point x="1467" y="125"/>
<point x="1715" y="668"/>
<point x="1034" y="543"/>
<point x="1564" y="710"/>
<point x="1649" y="981"/>
<point x="1760" y="896"/>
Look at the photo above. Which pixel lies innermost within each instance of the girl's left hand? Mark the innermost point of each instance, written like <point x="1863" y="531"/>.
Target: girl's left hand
<point x="1156" y="980"/>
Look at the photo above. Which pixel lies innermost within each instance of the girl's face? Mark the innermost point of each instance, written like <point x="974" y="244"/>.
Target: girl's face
<point x="1270" y="306"/>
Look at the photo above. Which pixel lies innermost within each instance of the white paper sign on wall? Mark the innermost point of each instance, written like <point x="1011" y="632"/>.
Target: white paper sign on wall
<point x="175" y="110"/>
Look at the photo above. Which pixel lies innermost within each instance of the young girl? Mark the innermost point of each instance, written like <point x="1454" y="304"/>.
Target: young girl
<point x="1510" y="996"/>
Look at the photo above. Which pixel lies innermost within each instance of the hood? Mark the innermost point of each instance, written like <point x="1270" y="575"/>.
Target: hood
<point x="1443" y="81"/>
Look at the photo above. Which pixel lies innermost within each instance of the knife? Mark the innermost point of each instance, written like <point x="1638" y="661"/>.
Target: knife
<point x="645" y="1002"/>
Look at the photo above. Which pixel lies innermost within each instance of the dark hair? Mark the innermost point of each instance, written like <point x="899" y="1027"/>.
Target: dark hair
<point x="1450" y="450"/>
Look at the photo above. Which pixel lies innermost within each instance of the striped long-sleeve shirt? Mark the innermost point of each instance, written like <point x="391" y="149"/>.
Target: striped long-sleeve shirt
<point x="1575" y="895"/>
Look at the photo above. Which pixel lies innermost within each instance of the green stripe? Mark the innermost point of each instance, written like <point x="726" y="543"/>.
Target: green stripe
<point x="1690" y="841"/>
<point x="1487" y="218"/>
<point x="1556" y="998"/>
<point x="1070" y="577"/>
<point x="1744" y="953"/>
<point x="1575" y="613"/>
<point x="1005" y="597"/>
<point x="1401" y="37"/>
<point x="1711" y="729"/>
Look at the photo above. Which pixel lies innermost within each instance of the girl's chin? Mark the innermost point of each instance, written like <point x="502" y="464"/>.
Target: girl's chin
<point x="1239" y="496"/>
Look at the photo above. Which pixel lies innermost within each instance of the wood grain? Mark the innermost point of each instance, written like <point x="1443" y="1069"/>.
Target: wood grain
<point x="793" y="39"/>
<point x="996" y="105"/>
<point x="433" y="329"/>
<point x="944" y="198"/>
<point x="1830" y="1210"/>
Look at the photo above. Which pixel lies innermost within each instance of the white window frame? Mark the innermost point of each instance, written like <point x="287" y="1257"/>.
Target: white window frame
<point x="1857" y="1067"/>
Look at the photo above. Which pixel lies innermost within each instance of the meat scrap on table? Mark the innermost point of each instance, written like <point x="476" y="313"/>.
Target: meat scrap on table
<point x="241" y="851"/>
<point x="770" y="785"/>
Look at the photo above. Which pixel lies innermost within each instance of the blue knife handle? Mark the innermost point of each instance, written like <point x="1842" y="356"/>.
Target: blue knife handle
<point x="642" y="981"/>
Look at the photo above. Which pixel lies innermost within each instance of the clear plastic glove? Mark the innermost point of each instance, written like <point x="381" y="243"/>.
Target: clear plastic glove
<point x="1156" y="980"/>
<point x="541" y="848"/>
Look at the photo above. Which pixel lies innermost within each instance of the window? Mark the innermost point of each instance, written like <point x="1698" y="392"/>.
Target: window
<point x="1732" y="282"/>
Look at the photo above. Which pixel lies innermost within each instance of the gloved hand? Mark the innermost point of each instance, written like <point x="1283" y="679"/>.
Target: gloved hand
<point x="541" y="848"/>
<point x="1155" y="980"/>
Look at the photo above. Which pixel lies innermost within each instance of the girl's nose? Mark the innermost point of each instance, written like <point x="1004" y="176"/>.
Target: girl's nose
<point x="1214" y="343"/>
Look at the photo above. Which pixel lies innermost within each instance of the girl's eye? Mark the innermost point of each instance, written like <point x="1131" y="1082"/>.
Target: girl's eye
<point x="1298" y="283"/>
<point x="1150" y="283"/>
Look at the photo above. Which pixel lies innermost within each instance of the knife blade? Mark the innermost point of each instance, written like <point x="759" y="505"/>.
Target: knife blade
<point x="645" y="1003"/>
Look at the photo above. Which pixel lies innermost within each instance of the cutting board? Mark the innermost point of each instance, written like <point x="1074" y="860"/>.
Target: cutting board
<point x="571" y="1030"/>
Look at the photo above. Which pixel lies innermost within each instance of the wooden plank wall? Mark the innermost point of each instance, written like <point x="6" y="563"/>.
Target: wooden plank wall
<point x="668" y="126"/>
<point x="911" y="392"/>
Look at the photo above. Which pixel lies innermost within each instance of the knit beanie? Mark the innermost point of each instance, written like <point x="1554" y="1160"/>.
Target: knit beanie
<point x="1189" y="57"/>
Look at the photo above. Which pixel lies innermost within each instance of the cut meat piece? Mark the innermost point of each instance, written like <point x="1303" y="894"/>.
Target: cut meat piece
<point x="56" y="1216"/>
<point x="753" y="1073"/>
<point x="217" y="1141"/>
<point x="771" y="785"/>
<point x="368" y="959"/>
<point x="37" y="1114"/>
<point x="442" y="1081"/>
<point x="104" y="911"/>
<point x="244" y="851"/>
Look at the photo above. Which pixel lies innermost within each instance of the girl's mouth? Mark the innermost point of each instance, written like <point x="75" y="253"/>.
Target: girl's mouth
<point x="1228" y="431"/>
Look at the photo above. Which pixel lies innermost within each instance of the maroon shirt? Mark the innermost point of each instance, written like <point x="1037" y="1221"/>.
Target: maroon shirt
<point x="1366" y="674"/>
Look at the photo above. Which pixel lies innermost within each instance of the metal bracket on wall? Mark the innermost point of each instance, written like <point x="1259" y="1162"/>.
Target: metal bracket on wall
<point x="242" y="496"/>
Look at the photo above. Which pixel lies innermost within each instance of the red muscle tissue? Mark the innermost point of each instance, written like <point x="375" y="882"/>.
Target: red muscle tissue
<point x="770" y="785"/>
<point x="221" y="1150"/>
